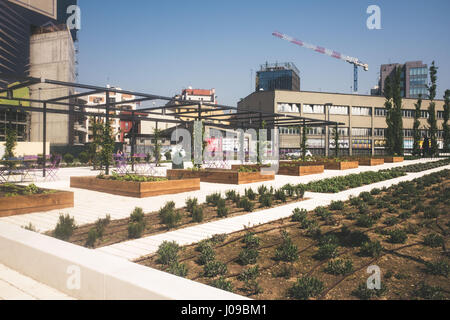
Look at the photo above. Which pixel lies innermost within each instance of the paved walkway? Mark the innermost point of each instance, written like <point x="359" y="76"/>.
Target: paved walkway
<point x="91" y="205"/>
<point x="15" y="286"/>
<point x="135" y="249"/>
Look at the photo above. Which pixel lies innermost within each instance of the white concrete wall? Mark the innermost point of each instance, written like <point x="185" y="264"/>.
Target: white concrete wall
<point x="101" y="276"/>
<point x="26" y="149"/>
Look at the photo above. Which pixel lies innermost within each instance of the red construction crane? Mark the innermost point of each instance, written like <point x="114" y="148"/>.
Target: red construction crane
<point x="355" y="61"/>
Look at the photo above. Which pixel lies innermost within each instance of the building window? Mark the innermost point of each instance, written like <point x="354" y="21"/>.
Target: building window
<point x="440" y="114"/>
<point x="380" y="112"/>
<point x="339" y="110"/>
<point x="313" y="108"/>
<point x="361" y="132"/>
<point x="408" y="133"/>
<point x="379" y="132"/>
<point x="342" y="132"/>
<point x="361" y="111"/>
<point x="440" y="134"/>
<point x="406" y="113"/>
<point x="315" y="131"/>
<point x="288" y="107"/>
<point x="424" y="114"/>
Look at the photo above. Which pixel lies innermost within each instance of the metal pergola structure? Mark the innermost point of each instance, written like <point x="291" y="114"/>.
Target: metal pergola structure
<point x="236" y="118"/>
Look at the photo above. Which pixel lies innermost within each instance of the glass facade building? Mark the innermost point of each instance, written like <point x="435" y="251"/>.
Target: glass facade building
<point x="284" y="76"/>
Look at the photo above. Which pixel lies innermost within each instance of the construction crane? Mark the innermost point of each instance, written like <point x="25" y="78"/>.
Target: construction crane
<point x="354" y="61"/>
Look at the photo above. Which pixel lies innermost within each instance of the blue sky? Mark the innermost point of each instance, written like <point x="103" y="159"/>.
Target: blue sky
<point x="162" y="47"/>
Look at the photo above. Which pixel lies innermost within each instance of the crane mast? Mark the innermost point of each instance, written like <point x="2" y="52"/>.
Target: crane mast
<point x="334" y="54"/>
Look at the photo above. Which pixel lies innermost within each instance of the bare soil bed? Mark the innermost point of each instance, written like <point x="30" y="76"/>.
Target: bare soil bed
<point x="404" y="230"/>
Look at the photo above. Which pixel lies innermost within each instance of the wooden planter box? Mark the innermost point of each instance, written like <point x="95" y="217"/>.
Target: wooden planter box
<point x="343" y="165"/>
<point x="370" y="161"/>
<point x="393" y="159"/>
<point x="135" y="189"/>
<point x="256" y="166"/>
<point x="300" y="170"/>
<point x="221" y="176"/>
<point x="11" y="206"/>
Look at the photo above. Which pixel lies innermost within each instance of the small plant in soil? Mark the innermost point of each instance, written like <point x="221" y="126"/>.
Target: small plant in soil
<point x="305" y="288"/>
<point x="350" y="238"/>
<point x="168" y="253"/>
<point x="371" y="249"/>
<point x="287" y="251"/>
<point x="248" y="256"/>
<point x="197" y="214"/>
<point x="323" y="213"/>
<point x="398" y="236"/>
<point x="431" y="213"/>
<point x="92" y="238"/>
<point x="250" y="194"/>
<point x="136" y="225"/>
<point x="64" y="228"/>
<point x="433" y="240"/>
<point x="222" y="284"/>
<point x="262" y="189"/>
<point x="284" y="271"/>
<point x="214" y="268"/>
<point x="337" y="205"/>
<point x="391" y="221"/>
<point x="412" y="228"/>
<point x="365" y="221"/>
<point x="266" y="200"/>
<point x="280" y="195"/>
<point x="251" y="240"/>
<point x="191" y="203"/>
<point x="339" y="266"/>
<point x="298" y="215"/>
<point x="213" y="199"/>
<point x="178" y="269"/>
<point x="364" y="293"/>
<point x="252" y="287"/>
<point x="249" y="274"/>
<point x="246" y="204"/>
<point x="222" y="210"/>
<point x="207" y="254"/>
<point x="428" y="292"/>
<point x="439" y="268"/>
<point x="169" y="216"/>
<point x="326" y="251"/>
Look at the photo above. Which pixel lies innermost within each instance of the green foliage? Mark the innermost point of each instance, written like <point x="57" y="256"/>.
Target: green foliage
<point x="83" y="157"/>
<point x="30" y="227"/>
<point x="284" y="271"/>
<point x="394" y="119"/>
<point x="178" y="269"/>
<point x="135" y="230"/>
<point x="391" y="221"/>
<point x="249" y="274"/>
<point x="251" y="241"/>
<point x="214" y="268"/>
<point x="249" y="193"/>
<point x="92" y="238"/>
<point x="433" y="240"/>
<point x="222" y="284"/>
<point x="262" y="189"/>
<point x="416" y="127"/>
<point x="207" y="254"/>
<point x="432" y="123"/>
<point x="191" y="203"/>
<point x="397" y="236"/>
<point x="231" y="195"/>
<point x="197" y="214"/>
<point x="299" y="215"/>
<point x="213" y="199"/>
<point x="326" y="251"/>
<point x="10" y="143"/>
<point x="222" y="210"/>
<point x="339" y="266"/>
<point x="287" y="251"/>
<point x="280" y="195"/>
<point x="427" y="292"/>
<point x="248" y="256"/>
<point x="363" y="293"/>
<point x="352" y="238"/>
<point x="252" y="287"/>
<point x="246" y="204"/>
<point x="371" y="249"/>
<point x="169" y="216"/>
<point x="337" y="205"/>
<point x="266" y="200"/>
<point x="65" y="227"/>
<point x="68" y="158"/>
<point x="168" y="253"/>
<point x="439" y="268"/>
<point x="305" y="288"/>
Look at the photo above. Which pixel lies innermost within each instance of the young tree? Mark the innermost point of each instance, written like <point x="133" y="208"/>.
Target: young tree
<point x="416" y="127"/>
<point x="445" y="125"/>
<point x="303" y="143"/>
<point x="394" y="121"/>
<point x="336" y="141"/>
<point x="157" y="146"/>
<point x="434" y="148"/>
<point x="10" y="144"/>
<point x="107" y="146"/>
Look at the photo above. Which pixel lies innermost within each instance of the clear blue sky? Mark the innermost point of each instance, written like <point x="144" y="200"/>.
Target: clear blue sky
<point x="162" y="47"/>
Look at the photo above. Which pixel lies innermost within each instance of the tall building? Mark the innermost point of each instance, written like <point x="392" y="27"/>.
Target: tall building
<point x="35" y="41"/>
<point x="414" y="78"/>
<point x="278" y="76"/>
<point x="363" y="116"/>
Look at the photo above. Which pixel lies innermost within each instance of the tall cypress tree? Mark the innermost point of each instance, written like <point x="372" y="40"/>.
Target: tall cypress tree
<point x="416" y="127"/>
<point x="445" y="125"/>
<point x="394" y="121"/>
<point x="434" y="149"/>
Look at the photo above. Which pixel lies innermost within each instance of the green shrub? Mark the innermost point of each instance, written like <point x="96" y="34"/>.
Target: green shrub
<point x="299" y="191"/>
<point x="375" y="191"/>
<point x="68" y="158"/>
<point x="249" y="193"/>
<point x="339" y="266"/>
<point x="246" y="204"/>
<point x="280" y="195"/>
<point x="65" y="227"/>
<point x="230" y="195"/>
<point x="249" y="274"/>
<point x="433" y="240"/>
<point x="284" y="271"/>
<point x="305" y="288"/>
<point x="214" y="268"/>
<point x="405" y="215"/>
<point x="83" y="157"/>
<point x="169" y="216"/>
<point x="266" y="200"/>
<point x="101" y="224"/>
<point x="299" y="215"/>
<point x="191" y="203"/>
<point x="168" y="253"/>
<point x="428" y="292"/>
<point x="197" y="214"/>
<point x="352" y="238"/>
<point x="262" y="189"/>
<point x="365" y="221"/>
<point x="366" y="196"/>
<point x="323" y="212"/>
<point x="92" y="238"/>
<point x="213" y="199"/>
<point x="252" y="287"/>
<point x="287" y="251"/>
<point x="137" y="215"/>
<point x="207" y="254"/>
<point x="178" y="269"/>
<point x="337" y="205"/>
<point x="222" y="284"/>
<point x="135" y="230"/>
<point x="326" y="251"/>
<point x="222" y="211"/>
<point x="398" y="236"/>
<point x="371" y="249"/>
<point x="391" y="221"/>
<point x="412" y="228"/>
<point x="439" y="268"/>
<point x="248" y="256"/>
<point x="363" y="293"/>
<point x="431" y="213"/>
<point x="251" y="241"/>
<point x="363" y="208"/>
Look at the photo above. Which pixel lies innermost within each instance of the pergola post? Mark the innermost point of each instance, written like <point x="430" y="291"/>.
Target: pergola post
<point x="133" y="141"/>
<point x="107" y="126"/>
<point x="44" y="139"/>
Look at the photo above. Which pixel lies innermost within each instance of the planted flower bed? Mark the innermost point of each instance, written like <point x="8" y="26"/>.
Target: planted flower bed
<point x="393" y="159"/>
<point x="340" y="165"/>
<point x="221" y="175"/>
<point x="106" y="232"/>
<point x="16" y="199"/>
<point x="419" y="167"/>
<point x="135" y="186"/>
<point x="370" y="161"/>
<point x="293" y="168"/>
<point x="324" y="254"/>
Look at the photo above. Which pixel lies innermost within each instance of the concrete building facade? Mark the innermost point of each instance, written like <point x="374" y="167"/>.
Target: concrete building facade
<point x="364" y="119"/>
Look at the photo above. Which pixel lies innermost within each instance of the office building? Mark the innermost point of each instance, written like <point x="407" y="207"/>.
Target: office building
<point x="364" y="119"/>
<point x="278" y="76"/>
